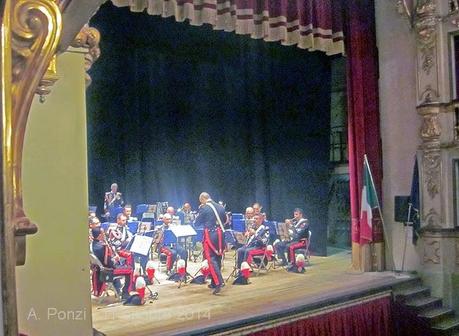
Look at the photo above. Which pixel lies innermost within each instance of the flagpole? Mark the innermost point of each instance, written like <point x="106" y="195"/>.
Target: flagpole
<point x="385" y="232"/>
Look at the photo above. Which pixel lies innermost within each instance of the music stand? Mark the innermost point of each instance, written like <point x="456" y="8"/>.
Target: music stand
<point x="181" y="233"/>
<point x="141" y="245"/>
<point x="148" y="217"/>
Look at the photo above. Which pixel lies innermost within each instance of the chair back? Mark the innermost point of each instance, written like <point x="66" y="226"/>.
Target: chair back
<point x="94" y="261"/>
<point x="140" y="209"/>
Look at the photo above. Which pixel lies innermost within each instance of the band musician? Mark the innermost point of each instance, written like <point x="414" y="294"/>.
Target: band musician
<point x="108" y="256"/>
<point x="113" y="198"/>
<point x="212" y="217"/>
<point x="299" y="235"/>
<point x="257" y="239"/>
<point x="127" y="211"/>
<point x="171" y="252"/>
<point x="120" y="236"/>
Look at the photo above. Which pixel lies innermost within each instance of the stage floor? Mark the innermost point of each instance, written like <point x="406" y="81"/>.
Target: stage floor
<point x="192" y="309"/>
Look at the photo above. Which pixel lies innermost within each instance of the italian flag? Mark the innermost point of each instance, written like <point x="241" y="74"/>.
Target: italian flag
<point x="369" y="202"/>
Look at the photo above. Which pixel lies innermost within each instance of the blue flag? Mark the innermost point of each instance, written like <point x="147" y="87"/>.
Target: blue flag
<point x="414" y="202"/>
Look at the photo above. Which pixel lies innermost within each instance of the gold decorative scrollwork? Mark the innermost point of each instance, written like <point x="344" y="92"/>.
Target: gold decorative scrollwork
<point x="428" y="94"/>
<point x="88" y="37"/>
<point x="426" y="26"/>
<point x="431" y="251"/>
<point x="430" y="127"/>
<point x="422" y="16"/>
<point x="432" y="219"/>
<point x="35" y="31"/>
<point x="432" y="163"/>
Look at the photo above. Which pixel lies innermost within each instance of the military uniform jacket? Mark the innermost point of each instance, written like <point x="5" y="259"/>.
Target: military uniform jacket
<point x="301" y="229"/>
<point x="206" y="216"/>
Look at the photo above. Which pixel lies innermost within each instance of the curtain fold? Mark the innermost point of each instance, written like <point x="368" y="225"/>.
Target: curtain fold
<point x="309" y="24"/>
<point x="363" y="104"/>
<point x="369" y="318"/>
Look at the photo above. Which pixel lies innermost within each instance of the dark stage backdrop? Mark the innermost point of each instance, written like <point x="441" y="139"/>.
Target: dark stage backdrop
<point x="174" y="110"/>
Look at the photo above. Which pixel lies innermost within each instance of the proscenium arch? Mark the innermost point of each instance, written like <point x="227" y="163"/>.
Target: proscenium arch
<point x="75" y="15"/>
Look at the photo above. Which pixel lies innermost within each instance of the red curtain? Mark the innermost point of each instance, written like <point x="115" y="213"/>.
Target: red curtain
<point x="370" y="318"/>
<point x="309" y="24"/>
<point x="363" y="104"/>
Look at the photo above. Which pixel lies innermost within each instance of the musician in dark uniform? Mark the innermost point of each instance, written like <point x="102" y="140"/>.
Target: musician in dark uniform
<point x="120" y="236"/>
<point x="299" y="233"/>
<point x="171" y="252"/>
<point x="212" y="217"/>
<point x="108" y="257"/>
<point x="113" y="199"/>
<point x="257" y="239"/>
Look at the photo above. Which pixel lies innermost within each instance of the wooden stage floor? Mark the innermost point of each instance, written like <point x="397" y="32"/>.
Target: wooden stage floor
<point x="192" y="309"/>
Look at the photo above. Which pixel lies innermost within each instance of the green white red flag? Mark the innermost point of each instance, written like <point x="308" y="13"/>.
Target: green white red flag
<point x="369" y="203"/>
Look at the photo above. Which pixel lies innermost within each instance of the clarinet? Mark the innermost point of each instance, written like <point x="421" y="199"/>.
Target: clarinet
<point x="111" y="249"/>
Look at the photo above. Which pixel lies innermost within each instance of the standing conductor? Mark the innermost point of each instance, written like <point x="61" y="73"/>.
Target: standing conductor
<point x="212" y="216"/>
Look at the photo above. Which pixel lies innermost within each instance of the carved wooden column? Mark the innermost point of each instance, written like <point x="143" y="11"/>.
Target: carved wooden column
<point x="30" y="34"/>
<point x="432" y="22"/>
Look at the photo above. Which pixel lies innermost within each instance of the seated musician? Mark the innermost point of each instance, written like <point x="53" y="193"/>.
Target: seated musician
<point x="258" y="236"/>
<point x="108" y="258"/>
<point x="249" y="212"/>
<point x="120" y="236"/>
<point x="299" y="235"/>
<point x="171" y="252"/>
<point x="93" y="222"/>
<point x="185" y="214"/>
<point x="127" y="211"/>
<point x="257" y="207"/>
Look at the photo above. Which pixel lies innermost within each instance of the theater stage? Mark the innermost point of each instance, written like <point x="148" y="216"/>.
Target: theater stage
<point x="193" y="310"/>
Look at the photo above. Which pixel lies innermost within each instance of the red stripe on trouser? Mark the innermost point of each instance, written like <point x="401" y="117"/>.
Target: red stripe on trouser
<point x="209" y="241"/>
<point x="168" y="254"/>
<point x="253" y="253"/>
<point x="220" y="245"/>
<point x="293" y="247"/>
<point x="211" y="265"/>
<point x="98" y="287"/>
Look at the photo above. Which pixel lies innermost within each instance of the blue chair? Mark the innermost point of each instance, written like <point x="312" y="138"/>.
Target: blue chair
<point x="238" y="222"/>
<point x="114" y="212"/>
<point x="238" y="216"/>
<point x="105" y="226"/>
<point x="133" y="226"/>
<point x="92" y="208"/>
<point x="140" y="209"/>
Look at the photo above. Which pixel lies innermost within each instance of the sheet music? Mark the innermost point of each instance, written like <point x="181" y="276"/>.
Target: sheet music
<point x="141" y="244"/>
<point x="183" y="230"/>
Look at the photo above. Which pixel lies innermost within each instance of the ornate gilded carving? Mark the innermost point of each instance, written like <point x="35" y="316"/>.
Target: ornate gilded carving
<point x="432" y="219"/>
<point x="35" y="30"/>
<point x="430" y="127"/>
<point x="423" y="18"/>
<point x="426" y="27"/>
<point x="50" y="77"/>
<point x="431" y="251"/>
<point x="428" y="94"/>
<point x="88" y="37"/>
<point x="432" y="165"/>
